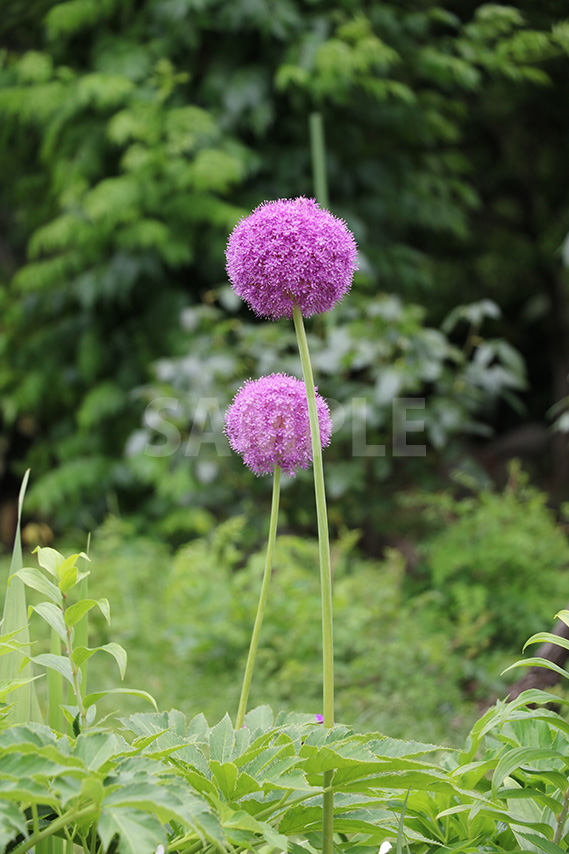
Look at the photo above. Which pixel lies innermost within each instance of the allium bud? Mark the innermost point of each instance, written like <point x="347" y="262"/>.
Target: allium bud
<point x="291" y="252"/>
<point x="267" y="423"/>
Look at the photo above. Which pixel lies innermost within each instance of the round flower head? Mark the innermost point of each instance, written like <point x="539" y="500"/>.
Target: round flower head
<point x="267" y="423"/>
<point x="291" y="252"/>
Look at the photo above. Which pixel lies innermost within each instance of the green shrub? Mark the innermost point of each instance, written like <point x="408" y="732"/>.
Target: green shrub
<point x="500" y="565"/>
<point x="195" y="610"/>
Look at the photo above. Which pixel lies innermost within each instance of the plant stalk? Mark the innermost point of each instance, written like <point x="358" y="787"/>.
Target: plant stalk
<point x="325" y="570"/>
<point x="262" y="600"/>
<point x="318" y="156"/>
<point x="75" y="672"/>
<point x="69" y="818"/>
<point x="562" y="819"/>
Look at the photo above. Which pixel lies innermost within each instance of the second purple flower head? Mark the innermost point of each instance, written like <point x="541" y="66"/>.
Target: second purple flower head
<point x="267" y="423"/>
<point x="291" y="252"/>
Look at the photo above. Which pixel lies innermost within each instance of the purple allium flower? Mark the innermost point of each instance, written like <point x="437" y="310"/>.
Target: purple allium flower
<point x="267" y="423"/>
<point x="291" y="252"/>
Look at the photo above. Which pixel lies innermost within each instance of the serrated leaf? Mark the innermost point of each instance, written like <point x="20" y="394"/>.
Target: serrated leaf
<point x="35" y="579"/>
<point x="259" y="718"/>
<point x="225" y="775"/>
<point x="247" y="824"/>
<point x="198" y="729"/>
<point x="75" y="612"/>
<point x="139" y="832"/>
<point x="12" y="822"/>
<point x="94" y="749"/>
<point x="27" y="790"/>
<point x="53" y="617"/>
<point x="221" y="740"/>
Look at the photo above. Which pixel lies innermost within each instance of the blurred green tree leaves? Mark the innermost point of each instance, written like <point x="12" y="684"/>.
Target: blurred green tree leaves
<point x="133" y="136"/>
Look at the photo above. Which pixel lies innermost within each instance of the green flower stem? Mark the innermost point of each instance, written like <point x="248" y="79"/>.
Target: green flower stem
<point x="75" y="672"/>
<point x="262" y="600"/>
<point x="325" y="570"/>
<point x="318" y="156"/>
<point x="69" y="818"/>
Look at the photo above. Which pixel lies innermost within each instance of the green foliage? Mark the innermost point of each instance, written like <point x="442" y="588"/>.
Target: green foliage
<point x="195" y="610"/>
<point x="192" y="787"/>
<point x="133" y="137"/>
<point x="59" y="577"/>
<point x="498" y="564"/>
<point x="376" y="349"/>
<point x="159" y="781"/>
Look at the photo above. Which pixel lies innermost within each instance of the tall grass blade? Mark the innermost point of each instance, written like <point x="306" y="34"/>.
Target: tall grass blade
<point x="25" y="703"/>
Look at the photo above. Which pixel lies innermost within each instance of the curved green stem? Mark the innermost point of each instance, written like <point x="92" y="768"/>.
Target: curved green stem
<point x="69" y="818"/>
<point x="262" y="601"/>
<point x="325" y="569"/>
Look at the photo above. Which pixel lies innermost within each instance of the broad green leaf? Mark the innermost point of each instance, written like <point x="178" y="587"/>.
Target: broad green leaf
<point x="221" y="740"/>
<point x="259" y="718"/>
<point x="49" y="559"/>
<point x="539" y="843"/>
<point x="25" y="789"/>
<point x="81" y="654"/>
<point x="300" y="819"/>
<point x="225" y="775"/>
<point x="170" y="800"/>
<point x="95" y="748"/>
<point x="12" y="823"/>
<point x="53" y="617"/>
<point x="118" y="653"/>
<point x="529" y="794"/>
<point x="69" y="575"/>
<point x="75" y="612"/>
<point x="37" y="581"/>
<point x="521" y="756"/>
<point x="56" y="662"/>
<point x="140" y="832"/>
<point x="198" y="729"/>
<point x="68" y="579"/>
<point x="147" y="723"/>
<point x="90" y="699"/>
<point x="69" y="563"/>
<point x="243" y="821"/>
